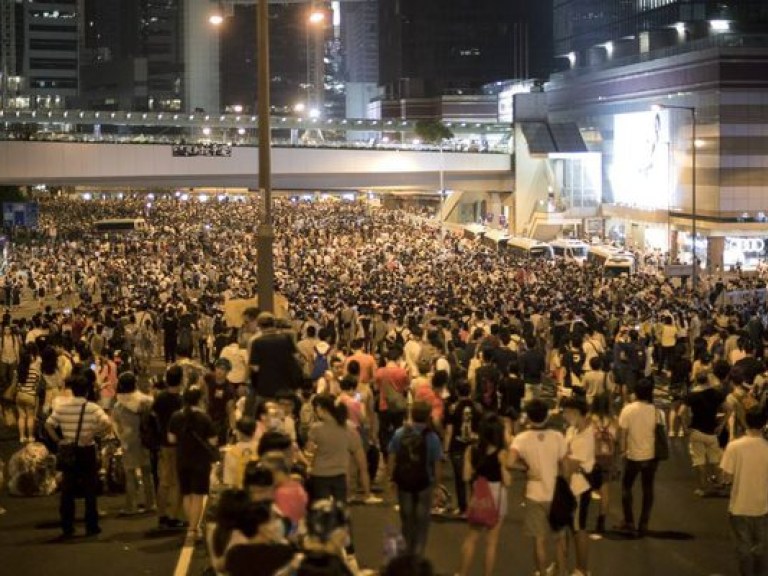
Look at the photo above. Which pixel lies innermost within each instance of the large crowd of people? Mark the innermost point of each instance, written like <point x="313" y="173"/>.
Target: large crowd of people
<point x="406" y="360"/>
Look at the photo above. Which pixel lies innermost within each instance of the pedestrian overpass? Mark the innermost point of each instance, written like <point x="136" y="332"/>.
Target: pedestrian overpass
<point x="136" y="149"/>
<point x="293" y="168"/>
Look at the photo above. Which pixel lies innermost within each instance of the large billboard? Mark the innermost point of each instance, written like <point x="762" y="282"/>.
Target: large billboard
<point x="640" y="173"/>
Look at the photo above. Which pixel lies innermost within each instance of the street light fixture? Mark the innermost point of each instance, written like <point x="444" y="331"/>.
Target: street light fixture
<point x="695" y="143"/>
<point x="216" y="19"/>
<point x="316" y="18"/>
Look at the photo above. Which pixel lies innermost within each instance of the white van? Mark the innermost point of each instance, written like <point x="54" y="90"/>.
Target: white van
<point x="530" y="248"/>
<point x="571" y="250"/>
<point x="614" y="261"/>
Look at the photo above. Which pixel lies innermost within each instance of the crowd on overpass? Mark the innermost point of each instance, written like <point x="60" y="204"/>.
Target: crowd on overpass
<point x="508" y="370"/>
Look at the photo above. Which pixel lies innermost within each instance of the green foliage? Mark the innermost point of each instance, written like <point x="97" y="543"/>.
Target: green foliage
<point x="12" y="194"/>
<point x="432" y="131"/>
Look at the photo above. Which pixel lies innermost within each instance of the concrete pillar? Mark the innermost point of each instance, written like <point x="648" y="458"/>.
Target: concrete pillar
<point x="673" y="247"/>
<point x="715" y="253"/>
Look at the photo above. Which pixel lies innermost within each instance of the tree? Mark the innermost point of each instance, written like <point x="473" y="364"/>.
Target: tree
<point x="11" y="194"/>
<point x="432" y="131"/>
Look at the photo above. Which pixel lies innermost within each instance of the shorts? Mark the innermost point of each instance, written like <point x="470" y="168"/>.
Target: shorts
<point x="536" y="521"/>
<point x="26" y="400"/>
<point x="704" y="449"/>
<point x="581" y="512"/>
<point x="194" y="481"/>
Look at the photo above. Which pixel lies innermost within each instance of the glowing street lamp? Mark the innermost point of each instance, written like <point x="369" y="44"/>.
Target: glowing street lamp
<point x="216" y="19"/>
<point x="316" y="17"/>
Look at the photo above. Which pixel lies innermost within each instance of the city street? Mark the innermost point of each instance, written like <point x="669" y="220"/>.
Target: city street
<point x="689" y="538"/>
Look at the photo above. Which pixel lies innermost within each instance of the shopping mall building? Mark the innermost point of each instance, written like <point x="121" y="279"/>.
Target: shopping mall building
<point x="674" y="95"/>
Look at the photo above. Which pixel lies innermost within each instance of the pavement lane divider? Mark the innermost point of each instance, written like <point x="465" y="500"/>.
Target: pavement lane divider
<point x="188" y="550"/>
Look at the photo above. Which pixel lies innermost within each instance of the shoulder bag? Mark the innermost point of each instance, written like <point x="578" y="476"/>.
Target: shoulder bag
<point x="66" y="459"/>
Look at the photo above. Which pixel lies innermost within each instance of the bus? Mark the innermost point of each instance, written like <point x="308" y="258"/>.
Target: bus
<point x="496" y="239"/>
<point x="121" y="225"/>
<point x="571" y="250"/>
<point x="530" y="248"/>
<point x="614" y="261"/>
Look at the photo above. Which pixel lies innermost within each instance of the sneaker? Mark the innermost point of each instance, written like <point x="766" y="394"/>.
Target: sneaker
<point x="699" y="492"/>
<point x="174" y="524"/>
<point x="371" y="499"/>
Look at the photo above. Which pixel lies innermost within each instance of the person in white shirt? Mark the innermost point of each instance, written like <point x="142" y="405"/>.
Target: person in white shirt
<point x="541" y="451"/>
<point x="412" y="351"/>
<point x="637" y="423"/>
<point x="579" y="462"/>
<point x="238" y="359"/>
<point x="745" y="463"/>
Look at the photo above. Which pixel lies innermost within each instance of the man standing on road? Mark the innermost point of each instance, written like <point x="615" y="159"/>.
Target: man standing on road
<point x="272" y="360"/>
<point x="541" y="451"/>
<point x="637" y="422"/>
<point x="167" y="403"/>
<point x="414" y="462"/>
<point x="745" y="462"/>
<point x="80" y="422"/>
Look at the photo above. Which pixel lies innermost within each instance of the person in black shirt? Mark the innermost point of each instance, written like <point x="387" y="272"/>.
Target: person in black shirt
<point x="221" y="399"/>
<point x="166" y="404"/>
<point x="170" y="335"/>
<point x="532" y="367"/>
<point x="488" y="381"/>
<point x="462" y="421"/>
<point x="271" y="357"/>
<point x="705" y="403"/>
<point x="750" y="366"/>
<point x="192" y="431"/>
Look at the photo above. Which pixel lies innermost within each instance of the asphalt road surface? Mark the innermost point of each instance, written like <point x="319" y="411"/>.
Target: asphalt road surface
<point x="689" y="537"/>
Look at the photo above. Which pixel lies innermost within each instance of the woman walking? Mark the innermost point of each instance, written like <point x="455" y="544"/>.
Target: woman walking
<point x="486" y="463"/>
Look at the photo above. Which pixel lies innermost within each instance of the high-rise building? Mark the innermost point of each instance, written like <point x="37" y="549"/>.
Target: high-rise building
<point x="289" y="45"/>
<point x="672" y="94"/>
<point x="434" y="47"/>
<point x="360" y="42"/>
<point x="8" y="63"/>
<point x="49" y="51"/>
<point x="133" y="55"/>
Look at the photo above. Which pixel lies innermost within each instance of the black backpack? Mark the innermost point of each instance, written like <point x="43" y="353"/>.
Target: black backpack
<point x="411" y="461"/>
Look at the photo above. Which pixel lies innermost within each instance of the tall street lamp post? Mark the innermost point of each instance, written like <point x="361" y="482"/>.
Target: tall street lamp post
<point x="694" y="120"/>
<point x="265" y="234"/>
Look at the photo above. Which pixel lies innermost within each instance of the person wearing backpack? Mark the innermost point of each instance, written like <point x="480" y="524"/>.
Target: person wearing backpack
<point x="485" y="469"/>
<point x="414" y="463"/>
<point x="127" y="415"/>
<point x="606" y="428"/>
